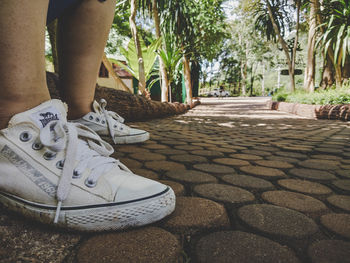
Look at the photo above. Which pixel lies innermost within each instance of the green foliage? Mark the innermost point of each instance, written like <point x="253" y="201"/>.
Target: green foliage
<point x="149" y="57"/>
<point x="337" y="33"/>
<point x="331" y="96"/>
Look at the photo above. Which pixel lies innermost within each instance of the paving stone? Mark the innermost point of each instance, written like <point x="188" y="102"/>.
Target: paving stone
<point x="278" y="221"/>
<point x="291" y="154"/>
<point x="296" y="201"/>
<point x="193" y="215"/>
<point x="171" y="152"/>
<point x="312" y="174"/>
<point x="266" y="148"/>
<point x="173" y="142"/>
<point x="142" y="245"/>
<point x="325" y="157"/>
<point x="130" y="163"/>
<point x="274" y="164"/>
<point x="160" y="166"/>
<point x="214" y="168"/>
<point x="224" y="193"/>
<point x="178" y="188"/>
<point x="343" y="173"/>
<point x="329" y="251"/>
<point x="257" y="152"/>
<point x="147" y="157"/>
<point x="24" y="241"/>
<point x="340" y="201"/>
<point x="304" y="186"/>
<point x="207" y="153"/>
<point x="263" y="171"/>
<point x="155" y="146"/>
<point x="248" y="157"/>
<point x="131" y="149"/>
<point x="337" y="223"/>
<point x="345" y="167"/>
<point x="191" y="176"/>
<point x="282" y="159"/>
<point x="343" y="184"/>
<point x="231" y="161"/>
<point x="221" y="149"/>
<point x="146" y="173"/>
<point x="247" y="181"/>
<point x="237" y="246"/>
<point x="329" y="150"/>
<point x="188" y="158"/>
<point x="320" y="164"/>
<point x="188" y="147"/>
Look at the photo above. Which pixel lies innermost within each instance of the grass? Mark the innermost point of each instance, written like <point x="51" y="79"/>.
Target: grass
<point x="330" y="96"/>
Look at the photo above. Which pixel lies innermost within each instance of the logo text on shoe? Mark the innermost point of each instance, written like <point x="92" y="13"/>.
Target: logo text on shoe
<point x="45" y="116"/>
<point x="34" y="175"/>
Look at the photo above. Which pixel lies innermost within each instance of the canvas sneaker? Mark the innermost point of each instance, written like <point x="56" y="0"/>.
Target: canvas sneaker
<point x="60" y="172"/>
<point x="109" y="125"/>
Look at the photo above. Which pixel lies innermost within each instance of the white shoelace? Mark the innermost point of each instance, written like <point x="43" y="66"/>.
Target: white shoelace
<point x="112" y="119"/>
<point x="82" y="145"/>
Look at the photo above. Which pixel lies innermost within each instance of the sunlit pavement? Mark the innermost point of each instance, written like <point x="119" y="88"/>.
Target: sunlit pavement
<point x="253" y="185"/>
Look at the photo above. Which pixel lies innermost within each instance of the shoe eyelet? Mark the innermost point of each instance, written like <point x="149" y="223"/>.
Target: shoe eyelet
<point x="76" y="175"/>
<point x="25" y="136"/>
<point x="103" y="122"/>
<point x="37" y="146"/>
<point x="91" y="117"/>
<point x="90" y="183"/>
<point x="97" y="119"/>
<point x="48" y="156"/>
<point x="115" y="126"/>
<point x="60" y="164"/>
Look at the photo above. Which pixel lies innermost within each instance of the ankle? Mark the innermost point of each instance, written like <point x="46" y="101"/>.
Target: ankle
<point x="11" y="107"/>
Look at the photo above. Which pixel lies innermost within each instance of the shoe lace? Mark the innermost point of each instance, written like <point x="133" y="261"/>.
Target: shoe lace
<point x="113" y="120"/>
<point x="83" y="147"/>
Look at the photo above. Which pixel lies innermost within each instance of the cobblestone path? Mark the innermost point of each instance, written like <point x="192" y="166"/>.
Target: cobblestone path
<point x="252" y="186"/>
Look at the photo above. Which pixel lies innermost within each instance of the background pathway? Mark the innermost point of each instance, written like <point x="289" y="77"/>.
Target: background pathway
<point x="253" y="185"/>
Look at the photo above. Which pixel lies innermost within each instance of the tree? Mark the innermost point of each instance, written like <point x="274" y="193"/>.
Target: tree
<point x="335" y="39"/>
<point x="276" y="25"/>
<point x="309" y="77"/>
<point x="132" y="18"/>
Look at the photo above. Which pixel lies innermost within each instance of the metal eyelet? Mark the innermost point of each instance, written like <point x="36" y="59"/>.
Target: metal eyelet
<point x="25" y="136"/>
<point x="97" y="119"/>
<point x="103" y="122"/>
<point x="48" y="156"/>
<point x="60" y="164"/>
<point x="91" y="117"/>
<point x="37" y="146"/>
<point x="76" y="175"/>
<point x="115" y="126"/>
<point x="90" y="183"/>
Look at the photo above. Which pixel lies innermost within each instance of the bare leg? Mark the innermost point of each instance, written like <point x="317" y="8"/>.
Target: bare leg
<point x="22" y="64"/>
<point x="83" y="33"/>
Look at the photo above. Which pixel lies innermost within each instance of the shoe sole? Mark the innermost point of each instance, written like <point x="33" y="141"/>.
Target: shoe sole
<point x="110" y="216"/>
<point x="128" y="139"/>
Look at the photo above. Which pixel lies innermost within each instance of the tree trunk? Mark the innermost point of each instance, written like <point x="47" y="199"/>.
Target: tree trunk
<point x="188" y="82"/>
<point x="263" y="81"/>
<point x="142" y="77"/>
<point x="195" y="72"/>
<point x="244" y="77"/>
<point x="309" y="79"/>
<point x="327" y="73"/>
<point x="52" y="29"/>
<point x="162" y="69"/>
<point x="284" y="46"/>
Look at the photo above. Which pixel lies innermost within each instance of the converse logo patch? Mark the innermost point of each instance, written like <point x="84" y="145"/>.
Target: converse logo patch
<point x="45" y="116"/>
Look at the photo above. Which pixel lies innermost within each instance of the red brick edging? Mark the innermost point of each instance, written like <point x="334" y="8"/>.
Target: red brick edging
<point x="330" y="112"/>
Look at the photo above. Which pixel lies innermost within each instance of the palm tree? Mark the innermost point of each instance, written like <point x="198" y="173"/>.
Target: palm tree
<point x="155" y="7"/>
<point x="336" y="38"/>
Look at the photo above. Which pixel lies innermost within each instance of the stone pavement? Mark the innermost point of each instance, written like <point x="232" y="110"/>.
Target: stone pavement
<point x="252" y="185"/>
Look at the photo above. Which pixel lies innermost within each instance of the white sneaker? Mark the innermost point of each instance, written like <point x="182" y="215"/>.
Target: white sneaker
<point x="48" y="174"/>
<point x="109" y="124"/>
